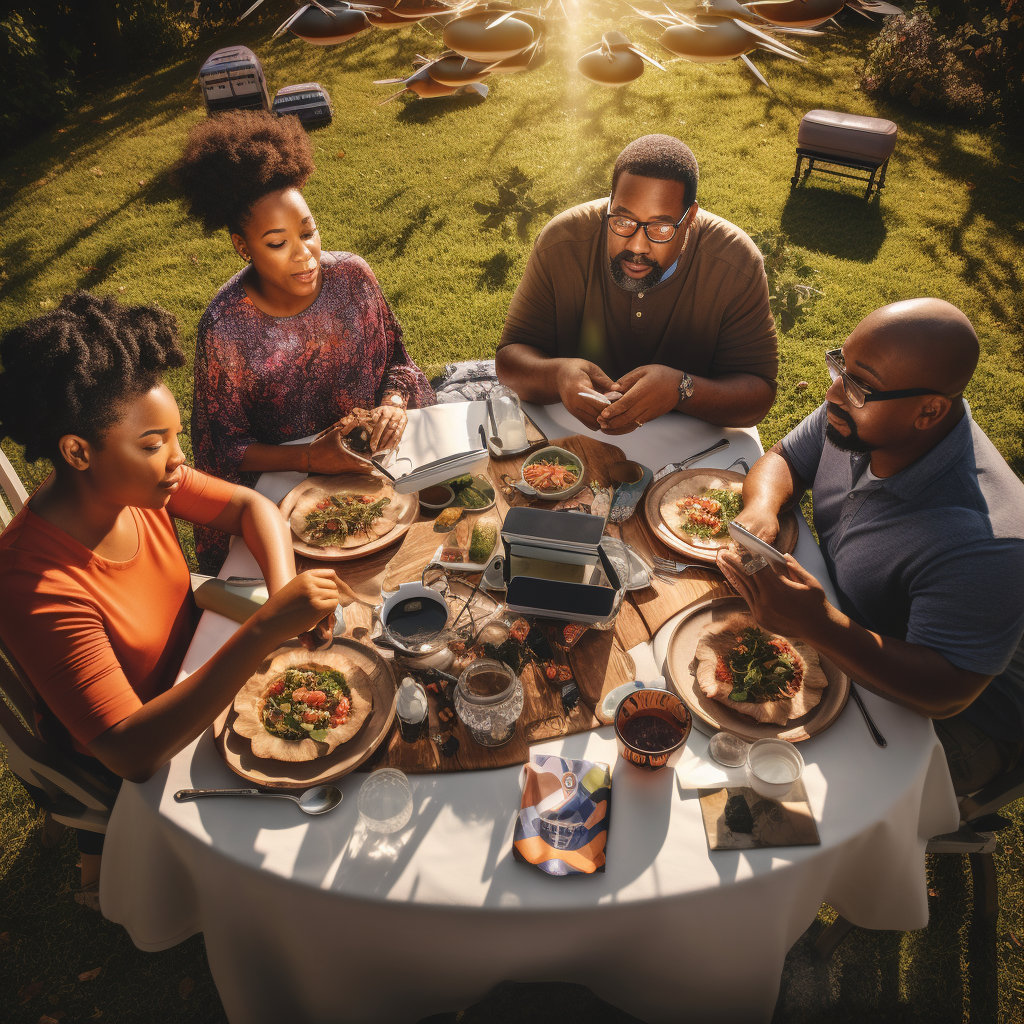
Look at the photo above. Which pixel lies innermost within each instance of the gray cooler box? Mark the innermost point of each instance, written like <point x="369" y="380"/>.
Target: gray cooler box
<point x="845" y="140"/>
<point x="309" y="102"/>
<point x="232" y="79"/>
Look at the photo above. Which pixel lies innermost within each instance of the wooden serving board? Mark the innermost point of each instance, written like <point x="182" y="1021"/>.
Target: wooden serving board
<point x="599" y="664"/>
<point x="661" y="601"/>
<point x="596" y="455"/>
<point x="237" y="751"/>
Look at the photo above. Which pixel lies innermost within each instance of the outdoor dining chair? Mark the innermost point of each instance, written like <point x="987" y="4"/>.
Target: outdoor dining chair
<point x="980" y="820"/>
<point x="68" y="793"/>
<point x="13" y="489"/>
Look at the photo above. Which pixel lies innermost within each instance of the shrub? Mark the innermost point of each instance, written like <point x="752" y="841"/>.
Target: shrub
<point x="32" y="96"/>
<point x="911" y="61"/>
<point x="963" y="57"/>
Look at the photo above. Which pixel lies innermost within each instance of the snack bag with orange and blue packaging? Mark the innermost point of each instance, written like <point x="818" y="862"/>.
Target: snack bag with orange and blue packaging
<point x="562" y="826"/>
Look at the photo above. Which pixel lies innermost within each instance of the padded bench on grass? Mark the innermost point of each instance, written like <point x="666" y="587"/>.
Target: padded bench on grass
<point x="845" y="140"/>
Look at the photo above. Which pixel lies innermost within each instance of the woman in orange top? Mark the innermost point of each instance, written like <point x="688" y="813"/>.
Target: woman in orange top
<point x="95" y="596"/>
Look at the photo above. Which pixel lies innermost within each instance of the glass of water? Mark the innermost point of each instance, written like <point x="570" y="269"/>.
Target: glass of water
<point x="385" y="801"/>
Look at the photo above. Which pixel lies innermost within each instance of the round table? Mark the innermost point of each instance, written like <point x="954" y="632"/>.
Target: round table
<point x="314" y="919"/>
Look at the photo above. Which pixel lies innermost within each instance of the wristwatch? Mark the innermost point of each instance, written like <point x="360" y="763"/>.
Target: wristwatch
<point x="685" y="387"/>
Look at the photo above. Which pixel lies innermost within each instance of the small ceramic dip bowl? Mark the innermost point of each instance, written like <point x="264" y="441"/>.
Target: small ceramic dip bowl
<point x="435" y="498"/>
<point x="651" y="728"/>
<point x="772" y="767"/>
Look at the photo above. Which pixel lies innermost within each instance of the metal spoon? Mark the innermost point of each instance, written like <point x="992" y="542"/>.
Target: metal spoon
<point x="318" y="800"/>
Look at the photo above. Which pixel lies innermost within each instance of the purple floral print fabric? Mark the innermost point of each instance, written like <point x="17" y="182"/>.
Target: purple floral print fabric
<point x="274" y="379"/>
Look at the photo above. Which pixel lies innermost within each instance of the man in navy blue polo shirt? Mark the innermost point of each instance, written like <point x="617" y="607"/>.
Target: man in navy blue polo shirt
<point x="921" y="523"/>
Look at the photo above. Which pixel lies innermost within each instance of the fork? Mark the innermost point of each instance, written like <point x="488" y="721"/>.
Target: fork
<point x="667" y="565"/>
<point x="739" y="462"/>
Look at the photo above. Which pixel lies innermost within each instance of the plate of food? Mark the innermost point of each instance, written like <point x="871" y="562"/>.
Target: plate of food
<point x="306" y="717"/>
<point x="736" y="676"/>
<point x="690" y="512"/>
<point x="335" y="518"/>
<point x="552" y="473"/>
<point x="471" y="491"/>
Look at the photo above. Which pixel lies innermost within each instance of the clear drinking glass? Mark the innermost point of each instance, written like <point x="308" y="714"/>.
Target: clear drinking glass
<point x="509" y="419"/>
<point x="385" y="801"/>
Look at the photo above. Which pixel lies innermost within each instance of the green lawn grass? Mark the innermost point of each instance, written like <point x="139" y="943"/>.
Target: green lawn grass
<point x="87" y="205"/>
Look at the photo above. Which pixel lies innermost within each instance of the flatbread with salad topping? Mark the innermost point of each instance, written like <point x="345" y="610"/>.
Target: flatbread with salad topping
<point x="757" y="673"/>
<point x="327" y="517"/>
<point x="303" y="705"/>
<point x="700" y="508"/>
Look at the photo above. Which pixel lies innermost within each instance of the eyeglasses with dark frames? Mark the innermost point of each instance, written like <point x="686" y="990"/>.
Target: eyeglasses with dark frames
<point x="656" y="231"/>
<point x="859" y="393"/>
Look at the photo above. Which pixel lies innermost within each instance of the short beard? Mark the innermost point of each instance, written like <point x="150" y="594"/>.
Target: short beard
<point x="854" y="443"/>
<point x="630" y="284"/>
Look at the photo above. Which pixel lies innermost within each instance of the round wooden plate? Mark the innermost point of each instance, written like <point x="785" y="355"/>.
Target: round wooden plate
<point x="711" y="715"/>
<point x="361" y="483"/>
<point x="701" y="550"/>
<point x="237" y="750"/>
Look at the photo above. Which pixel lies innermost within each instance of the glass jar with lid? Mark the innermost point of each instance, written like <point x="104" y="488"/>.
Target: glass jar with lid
<point x="489" y="701"/>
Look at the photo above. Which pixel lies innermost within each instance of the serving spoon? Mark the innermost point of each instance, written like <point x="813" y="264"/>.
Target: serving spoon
<point x="317" y="800"/>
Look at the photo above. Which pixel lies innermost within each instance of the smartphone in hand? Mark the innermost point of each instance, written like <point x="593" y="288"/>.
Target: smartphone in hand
<point x="755" y="547"/>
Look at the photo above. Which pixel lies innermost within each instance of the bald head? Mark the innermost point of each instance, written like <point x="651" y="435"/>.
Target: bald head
<point x="920" y="343"/>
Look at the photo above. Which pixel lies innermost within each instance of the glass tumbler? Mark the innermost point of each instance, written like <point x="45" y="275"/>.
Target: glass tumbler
<point x="509" y="419"/>
<point x="385" y="801"/>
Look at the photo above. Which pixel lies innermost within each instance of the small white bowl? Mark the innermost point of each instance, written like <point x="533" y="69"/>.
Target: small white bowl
<point x="772" y="767"/>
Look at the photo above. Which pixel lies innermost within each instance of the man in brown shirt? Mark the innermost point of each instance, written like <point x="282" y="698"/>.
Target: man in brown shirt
<point x="646" y="296"/>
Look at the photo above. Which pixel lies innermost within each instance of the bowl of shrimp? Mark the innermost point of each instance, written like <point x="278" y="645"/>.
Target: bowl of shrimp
<point x="552" y="473"/>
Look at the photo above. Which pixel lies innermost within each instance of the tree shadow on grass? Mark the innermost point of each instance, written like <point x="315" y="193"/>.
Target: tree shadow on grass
<point x="992" y="185"/>
<point x="105" y="266"/>
<point x="424" y="111"/>
<point x="842" y="224"/>
<point x="49" y="940"/>
<point x="494" y="272"/>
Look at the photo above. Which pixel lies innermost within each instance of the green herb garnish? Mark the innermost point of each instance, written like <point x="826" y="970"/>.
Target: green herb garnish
<point x="340" y="516"/>
<point x="761" y="668"/>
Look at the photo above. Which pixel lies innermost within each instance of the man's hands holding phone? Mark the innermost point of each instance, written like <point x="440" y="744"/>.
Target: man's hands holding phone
<point x="576" y="375"/>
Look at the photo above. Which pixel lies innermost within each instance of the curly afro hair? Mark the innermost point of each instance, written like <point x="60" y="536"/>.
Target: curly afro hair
<point x="71" y="371"/>
<point x="660" y="156"/>
<point x="233" y="160"/>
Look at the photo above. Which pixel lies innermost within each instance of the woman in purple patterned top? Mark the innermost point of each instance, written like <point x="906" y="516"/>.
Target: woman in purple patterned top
<point x="298" y="339"/>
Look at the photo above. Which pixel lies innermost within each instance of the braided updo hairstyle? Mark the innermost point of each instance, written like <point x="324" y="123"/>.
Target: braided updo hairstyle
<point x="233" y="160"/>
<point x="71" y="371"/>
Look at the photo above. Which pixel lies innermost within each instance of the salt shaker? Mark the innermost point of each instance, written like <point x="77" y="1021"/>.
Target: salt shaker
<point x="412" y="710"/>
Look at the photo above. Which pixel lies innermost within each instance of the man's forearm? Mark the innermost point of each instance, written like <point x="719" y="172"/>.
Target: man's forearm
<point x="529" y="373"/>
<point x="733" y="400"/>
<point x="770" y="485"/>
<point x="910" y="675"/>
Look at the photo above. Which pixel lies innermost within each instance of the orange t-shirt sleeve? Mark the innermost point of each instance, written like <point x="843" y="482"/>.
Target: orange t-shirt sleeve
<point x="200" y="498"/>
<point x="64" y="650"/>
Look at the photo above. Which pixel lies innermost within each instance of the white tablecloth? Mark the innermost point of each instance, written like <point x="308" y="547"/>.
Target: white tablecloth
<point x="313" y="919"/>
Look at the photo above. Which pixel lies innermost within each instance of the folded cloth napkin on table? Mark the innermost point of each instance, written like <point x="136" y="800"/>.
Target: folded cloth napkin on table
<point x="562" y="826"/>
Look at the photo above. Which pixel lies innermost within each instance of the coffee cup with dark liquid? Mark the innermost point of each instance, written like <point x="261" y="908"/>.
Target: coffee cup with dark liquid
<point x="651" y="728"/>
